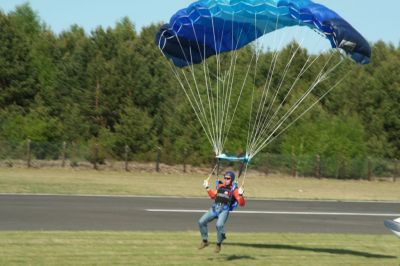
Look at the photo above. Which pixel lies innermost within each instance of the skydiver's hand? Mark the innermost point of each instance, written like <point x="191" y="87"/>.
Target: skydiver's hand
<point x="241" y="191"/>
<point x="206" y="184"/>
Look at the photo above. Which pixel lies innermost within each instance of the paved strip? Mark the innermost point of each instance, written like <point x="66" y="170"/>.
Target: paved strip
<point x="184" y="197"/>
<point x="52" y="212"/>
<point x="289" y="213"/>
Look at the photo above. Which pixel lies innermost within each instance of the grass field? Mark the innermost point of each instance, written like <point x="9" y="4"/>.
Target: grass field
<point x="66" y="181"/>
<point x="161" y="248"/>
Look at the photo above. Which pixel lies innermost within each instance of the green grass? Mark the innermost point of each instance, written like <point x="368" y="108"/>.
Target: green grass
<point x="161" y="248"/>
<point x="68" y="181"/>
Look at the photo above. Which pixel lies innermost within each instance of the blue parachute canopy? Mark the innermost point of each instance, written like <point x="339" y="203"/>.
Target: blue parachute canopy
<point x="211" y="27"/>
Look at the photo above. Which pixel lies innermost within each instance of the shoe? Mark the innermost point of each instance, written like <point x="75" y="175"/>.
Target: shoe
<point x="217" y="248"/>
<point x="203" y="244"/>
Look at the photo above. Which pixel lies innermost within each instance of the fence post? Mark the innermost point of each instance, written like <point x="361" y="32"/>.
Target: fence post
<point x="126" y="158"/>
<point x="369" y="169"/>
<point x="318" y="167"/>
<point x="63" y="155"/>
<point x="158" y="159"/>
<point x="28" y="151"/>
<point x="96" y="156"/>
<point x="396" y="170"/>
<point x="344" y="168"/>
<point x="294" y="165"/>
<point x="184" y="160"/>
<point x="341" y="167"/>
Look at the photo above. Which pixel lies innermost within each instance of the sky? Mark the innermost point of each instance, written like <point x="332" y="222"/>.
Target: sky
<point x="376" y="20"/>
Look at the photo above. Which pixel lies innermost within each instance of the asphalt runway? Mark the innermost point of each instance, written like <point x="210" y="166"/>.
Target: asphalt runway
<point x="46" y="212"/>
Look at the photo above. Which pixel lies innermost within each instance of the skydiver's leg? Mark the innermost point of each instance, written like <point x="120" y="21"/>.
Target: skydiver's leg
<point x="222" y="218"/>
<point x="203" y="221"/>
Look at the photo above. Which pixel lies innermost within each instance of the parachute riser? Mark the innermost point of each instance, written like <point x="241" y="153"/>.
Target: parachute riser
<point x="244" y="162"/>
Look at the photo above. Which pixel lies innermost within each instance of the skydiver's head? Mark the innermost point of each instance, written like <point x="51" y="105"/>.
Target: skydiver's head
<point x="229" y="178"/>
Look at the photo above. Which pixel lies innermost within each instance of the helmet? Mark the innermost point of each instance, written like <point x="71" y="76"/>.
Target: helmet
<point x="231" y="175"/>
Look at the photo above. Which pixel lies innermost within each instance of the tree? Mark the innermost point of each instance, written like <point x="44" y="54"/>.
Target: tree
<point x="134" y="130"/>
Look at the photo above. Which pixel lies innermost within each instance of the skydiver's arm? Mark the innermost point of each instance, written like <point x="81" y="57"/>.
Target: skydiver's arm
<point x="240" y="199"/>
<point x="212" y="193"/>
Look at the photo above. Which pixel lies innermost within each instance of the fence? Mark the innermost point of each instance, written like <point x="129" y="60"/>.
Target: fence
<point x="33" y="154"/>
<point x="42" y="154"/>
<point x="321" y="167"/>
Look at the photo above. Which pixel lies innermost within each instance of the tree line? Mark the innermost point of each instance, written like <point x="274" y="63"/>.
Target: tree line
<point x="112" y="88"/>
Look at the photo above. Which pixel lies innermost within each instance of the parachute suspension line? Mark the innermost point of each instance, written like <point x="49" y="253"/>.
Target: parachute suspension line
<point x="264" y="98"/>
<point x="216" y="167"/>
<point x="197" y="99"/>
<point x="294" y="107"/>
<point x="217" y="58"/>
<point x="230" y="77"/>
<point x="209" y="137"/>
<point x="213" y="121"/>
<point x="222" y="103"/>
<point x="213" y="107"/>
<point x="244" y="175"/>
<point x="256" y="141"/>
<point x="307" y="110"/>
<point x="204" y="123"/>
<point x="218" y="87"/>
<point x="217" y="111"/>
<point x="213" y="133"/>
<point x="241" y="93"/>
<point x="273" y="137"/>
<point x="320" y="78"/>
<point x="232" y="72"/>
<point x="254" y="83"/>
<point x="227" y="103"/>
<point x="252" y="99"/>
<point x="227" y="117"/>
<point x="207" y="81"/>
<point x="257" y="50"/>
<point x="266" y="89"/>
<point x="267" y="118"/>
<point x="264" y="125"/>
<point x="198" y="91"/>
<point x="259" y="130"/>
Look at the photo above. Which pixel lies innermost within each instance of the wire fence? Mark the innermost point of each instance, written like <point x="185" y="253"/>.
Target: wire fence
<point x="367" y="168"/>
<point x="33" y="154"/>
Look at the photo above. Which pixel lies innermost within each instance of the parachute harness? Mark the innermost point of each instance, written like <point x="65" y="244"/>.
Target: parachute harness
<point x="230" y="203"/>
<point x="244" y="162"/>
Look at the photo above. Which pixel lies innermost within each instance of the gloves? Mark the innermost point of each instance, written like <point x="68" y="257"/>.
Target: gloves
<point x="241" y="191"/>
<point x="206" y="184"/>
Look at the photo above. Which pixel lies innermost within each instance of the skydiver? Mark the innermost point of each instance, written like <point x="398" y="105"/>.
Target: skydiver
<point x="226" y="196"/>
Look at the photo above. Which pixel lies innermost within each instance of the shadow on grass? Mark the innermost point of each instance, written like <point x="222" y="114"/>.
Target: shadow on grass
<point x="320" y="250"/>
<point x="234" y="257"/>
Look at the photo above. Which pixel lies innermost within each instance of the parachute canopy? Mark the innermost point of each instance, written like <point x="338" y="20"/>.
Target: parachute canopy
<point x="211" y="27"/>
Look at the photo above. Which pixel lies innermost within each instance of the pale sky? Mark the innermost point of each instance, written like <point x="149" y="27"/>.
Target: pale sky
<point x="376" y="20"/>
